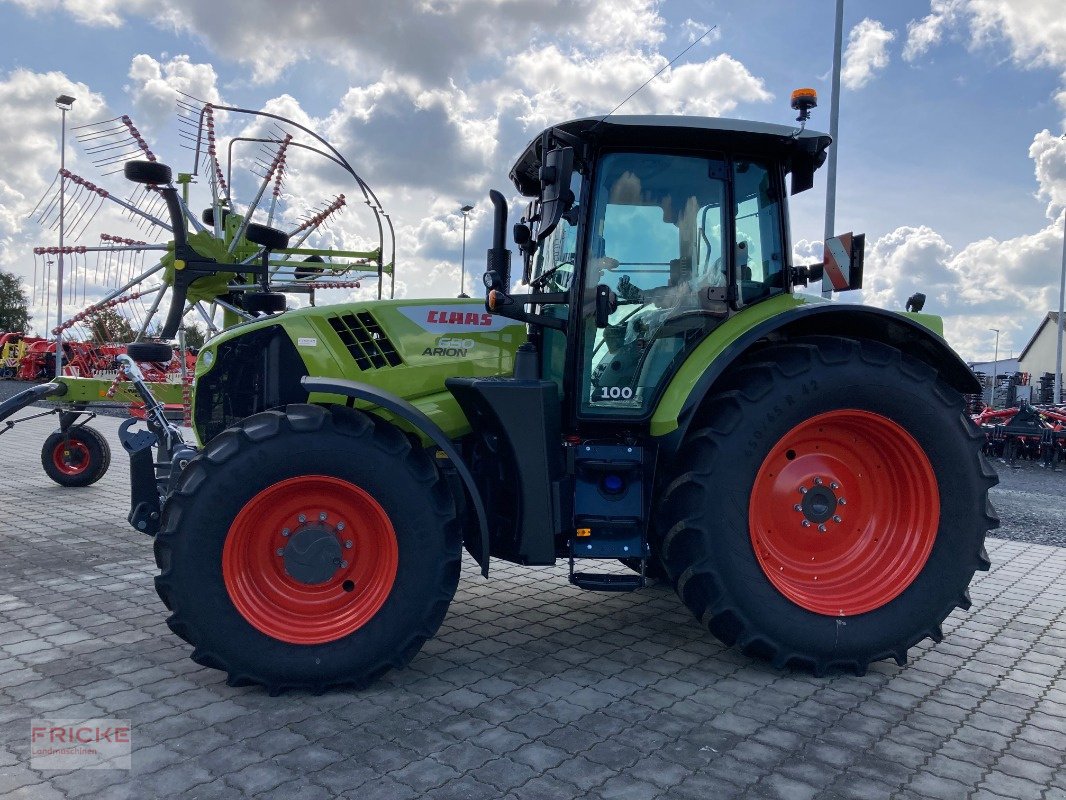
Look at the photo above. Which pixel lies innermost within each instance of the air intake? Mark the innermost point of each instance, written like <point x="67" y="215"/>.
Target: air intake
<point x="366" y="341"/>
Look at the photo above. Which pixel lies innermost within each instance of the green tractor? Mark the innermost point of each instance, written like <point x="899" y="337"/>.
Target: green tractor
<point x="802" y="472"/>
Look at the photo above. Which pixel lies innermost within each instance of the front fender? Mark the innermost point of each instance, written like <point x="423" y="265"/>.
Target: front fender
<point x="789" y="317"/>
<point x="406" y="411"/>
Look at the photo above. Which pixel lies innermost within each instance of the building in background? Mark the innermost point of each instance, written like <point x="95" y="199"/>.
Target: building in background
<point x="1038" y="357"/>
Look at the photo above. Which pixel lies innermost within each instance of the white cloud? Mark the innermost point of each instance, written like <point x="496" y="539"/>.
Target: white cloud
<point x="866" y="53"/>
<point x="1001" y="283"/>
<point x="693" y="30"/>
<point x="924" y="34"/>
<point x="426" y="39"/>
<point x="561" y="85"/>
<point x="29" y="159"/>
<point x="155" y="86"/>
<point x="1049" y="156"/>
<point x="1034" y="31"/>
<point x="1008" y="284"/>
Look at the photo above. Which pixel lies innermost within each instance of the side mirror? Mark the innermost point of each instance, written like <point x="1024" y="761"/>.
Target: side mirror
<point x="843" y="261"/>
<point x="606" y="304"/>
<point x="555" y="194"/>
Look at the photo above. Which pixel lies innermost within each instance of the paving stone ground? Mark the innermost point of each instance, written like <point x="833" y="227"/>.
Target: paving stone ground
<point x="532" y="689"/>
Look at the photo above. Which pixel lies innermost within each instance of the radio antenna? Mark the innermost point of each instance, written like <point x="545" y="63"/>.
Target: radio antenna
<point x="653" y="77"/>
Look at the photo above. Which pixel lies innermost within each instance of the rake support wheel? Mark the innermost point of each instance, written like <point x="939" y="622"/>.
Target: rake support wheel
<point x="308" y="548"/>
<point x="153" y="352"/>
<point x="828" y="507"/>
<point x="79" y="457"/>
<point x="270" y="238"/>
<point x="147" y="172"/>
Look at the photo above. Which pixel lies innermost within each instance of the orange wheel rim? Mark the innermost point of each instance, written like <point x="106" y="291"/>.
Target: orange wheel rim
<point x="71" y="457"/>
<point x="844" y="512"/>
<point x="310" y="560"/>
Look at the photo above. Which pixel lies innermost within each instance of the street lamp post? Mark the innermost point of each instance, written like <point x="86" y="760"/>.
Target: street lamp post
<point x="1062" y="319"/>
<point x="462" y="275"/>
<point x="995" y="367"/>
<point x="834" y="119"/>
<point x="63" y="103"/>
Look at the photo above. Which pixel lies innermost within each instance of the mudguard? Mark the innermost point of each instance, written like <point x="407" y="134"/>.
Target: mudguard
<point x="914" y="334"/>
<point x="403" y="409"/>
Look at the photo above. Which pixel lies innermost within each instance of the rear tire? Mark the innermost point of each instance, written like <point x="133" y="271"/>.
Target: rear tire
<point x="79" y="457"/>
<point x="730" y="490"/>
<point x="217" y="550"/>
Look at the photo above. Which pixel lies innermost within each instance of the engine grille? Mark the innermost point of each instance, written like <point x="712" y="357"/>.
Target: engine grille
<point x="370" y="348"/>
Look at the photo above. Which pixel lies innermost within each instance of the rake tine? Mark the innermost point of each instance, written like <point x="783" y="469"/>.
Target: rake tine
<point x="91" y="124"/>
<point x="43" y="196"/>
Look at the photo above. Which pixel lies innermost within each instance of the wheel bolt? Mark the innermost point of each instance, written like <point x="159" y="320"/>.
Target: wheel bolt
<point x="821" y="528"/>
<point x="817" y="481"/>
<point x="281" y="551"/>
<point x="836" y="518"/>
<point x="803" y="490"/>
<point x="322" y="516"/>
<point x="340" y="526"/>
<point x="806" y="523"/>
<point x="285" y="531"/>
<point x="348" y="545"/>
<point x="834" y="485"/>
<point x="842" y="501"/>
<point x="797" y="507"/>
<point x="344" y="565"/>
<point x="302" y="518"/>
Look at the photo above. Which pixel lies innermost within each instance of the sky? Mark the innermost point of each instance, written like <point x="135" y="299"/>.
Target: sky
<point x="952" y="159"/>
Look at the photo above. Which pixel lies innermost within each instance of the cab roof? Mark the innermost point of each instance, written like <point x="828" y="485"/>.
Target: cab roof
<point x="784" y="143"/>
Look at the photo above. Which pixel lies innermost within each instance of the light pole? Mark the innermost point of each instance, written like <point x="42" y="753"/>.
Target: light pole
<point x="63" y="103"/>
<point x="462" y="275"/>
<point x="1062" y="300"/>
<point x="834" y="117"/>
<point x="995" y="366"/>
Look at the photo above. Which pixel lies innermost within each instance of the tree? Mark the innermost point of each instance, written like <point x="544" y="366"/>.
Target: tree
<point x="14" y="305"/>
<point x="107" y="325"/>
<point x="194" y="336"/>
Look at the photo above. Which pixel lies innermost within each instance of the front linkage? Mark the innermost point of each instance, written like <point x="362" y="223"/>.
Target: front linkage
<point x="150" y="478"/>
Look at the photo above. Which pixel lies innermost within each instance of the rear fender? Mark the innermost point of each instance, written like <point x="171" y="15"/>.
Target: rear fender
<point x="918" y="335"/>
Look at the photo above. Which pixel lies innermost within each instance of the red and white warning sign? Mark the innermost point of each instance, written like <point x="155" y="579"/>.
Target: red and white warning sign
<point x="837" y="261"/>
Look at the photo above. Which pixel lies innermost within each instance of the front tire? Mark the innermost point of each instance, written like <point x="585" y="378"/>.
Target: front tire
<point x="308" y="549"/>
<point x="755" y="520"/>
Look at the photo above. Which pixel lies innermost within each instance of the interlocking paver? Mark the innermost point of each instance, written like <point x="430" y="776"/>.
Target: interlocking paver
<point x="533" y="689"/>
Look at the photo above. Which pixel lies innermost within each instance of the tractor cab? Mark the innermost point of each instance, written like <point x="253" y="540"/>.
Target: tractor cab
<point x="643" y="235"/>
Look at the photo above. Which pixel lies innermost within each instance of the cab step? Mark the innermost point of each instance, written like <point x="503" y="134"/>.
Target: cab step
<point x="606" y="582"/>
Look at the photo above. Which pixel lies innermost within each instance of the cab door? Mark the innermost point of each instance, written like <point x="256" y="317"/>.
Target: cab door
<point x="659" y="239"/>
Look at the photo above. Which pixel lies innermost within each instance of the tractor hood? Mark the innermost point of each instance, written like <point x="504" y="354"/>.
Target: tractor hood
<point x="405" y="347"/>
